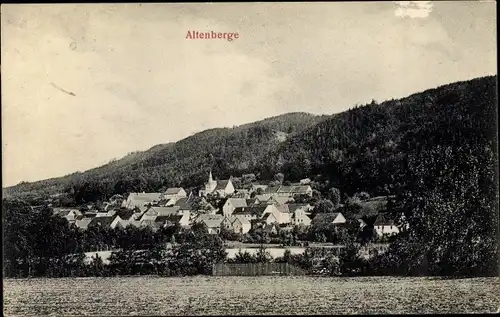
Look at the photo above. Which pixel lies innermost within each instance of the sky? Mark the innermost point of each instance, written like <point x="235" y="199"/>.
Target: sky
<point x="85" y="83"/>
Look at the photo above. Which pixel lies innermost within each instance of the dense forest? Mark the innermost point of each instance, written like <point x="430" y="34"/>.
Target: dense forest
<point x="435" y="152"/>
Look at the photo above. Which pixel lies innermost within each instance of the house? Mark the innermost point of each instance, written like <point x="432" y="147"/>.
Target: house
<point x="270" y="229"/>
<point x="136" y="216"/>
<point x="119" y="223"/>
<point x="89" y="214"/>
<point x="185" y="220"/>
<point x="278" y="214"/>
<point x="237" y="224"/>
<point x="186" y="203"/>
<point x="222" y="188"/>
<point x="148" y="216"/>
<point x="241" y="224"/>
<point x="167" y="221"/>
<point x="63" y="212"/>
<point x="141" y="200"/>
<point x="250" y="213"/>
<point x="83" y="223"/>
<point x="251" y="202"/>
<point x="211" y="222"/>
<point x="101" y="221"/>
<point x="269" y="192"/>
<point x="227" y="222"/>
<point x="175" y="193"/>
<point x="108" y="213"/>
<point x="271" y="218"/>
<point x="305" y="181"/>
<point x="241" y="193"/>
<point x="125" y="214"/>
<point x="261" y="199"/>
<point x="73" y="215"/>
<point x="256" y="187"/>
<point x="304" y="207"/>
<point x="384" y="225"/>
<point x="335" y="218"/>
<point x="277" y="200"/>
<point x="165" y="211"/>
<point x="290" y="191"/>
<point x="152" y="224"/>
<point x="300" y="217"/>
<point x="231" y="204"/>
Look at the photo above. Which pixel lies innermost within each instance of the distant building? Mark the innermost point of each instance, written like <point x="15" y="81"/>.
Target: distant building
<point x="119" y="223"/>
<point x="290" y="191"/>
<point x="141" y="200"/>
<point x="175" y="193"/>
<point x="211" y="222"/>
<point x="335" y="218"/>
<point x="231" y="204"/>
<point x="222" y="187"/>
<point x="300" y="214"/>
<point x="101" y="221"/>
<point x="384" y="225"/>
<point x="241" y="224"/>
<point x="270" y="228"/>
<point x="73" y="215"/>
<point x="83" y="223"/>
<point x="241" y="193"/>
<point x="251" y="213"/>
<point x="256" y="188"/>
<point x="305" y="181"/>
<point x="275" y="214"/>
<point x="278" y="200"/>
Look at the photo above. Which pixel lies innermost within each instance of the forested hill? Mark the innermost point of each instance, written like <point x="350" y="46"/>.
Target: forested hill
<point x="367" y="148"/>
<point x="184" y="163"/>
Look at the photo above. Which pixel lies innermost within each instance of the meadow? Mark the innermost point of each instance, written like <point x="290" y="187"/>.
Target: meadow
<point x="207" y="295"/>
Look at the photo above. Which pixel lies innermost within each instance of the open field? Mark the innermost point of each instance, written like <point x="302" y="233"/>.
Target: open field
<point x="248" y="295"/>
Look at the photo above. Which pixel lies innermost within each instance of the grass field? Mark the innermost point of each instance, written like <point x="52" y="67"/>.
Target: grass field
<point x="248" y="295"/>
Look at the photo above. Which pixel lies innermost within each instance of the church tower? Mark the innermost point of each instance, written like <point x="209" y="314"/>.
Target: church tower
<point x="211" y="184"/>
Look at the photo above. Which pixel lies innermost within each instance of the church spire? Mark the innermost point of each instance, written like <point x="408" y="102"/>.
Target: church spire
<point x="210" y="179"/>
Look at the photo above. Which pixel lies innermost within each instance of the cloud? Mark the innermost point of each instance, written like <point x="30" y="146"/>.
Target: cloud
<point x="413" y="9"/>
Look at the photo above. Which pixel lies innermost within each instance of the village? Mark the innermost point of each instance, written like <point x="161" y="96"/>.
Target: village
<point x="273" y="209"/>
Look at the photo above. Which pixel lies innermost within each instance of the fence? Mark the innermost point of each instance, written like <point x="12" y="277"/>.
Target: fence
<point x="255" y="269"/>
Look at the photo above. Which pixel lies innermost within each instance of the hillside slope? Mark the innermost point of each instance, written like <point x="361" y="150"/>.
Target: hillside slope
<point x="363" y="149"/>
<point x="183" y="163"/>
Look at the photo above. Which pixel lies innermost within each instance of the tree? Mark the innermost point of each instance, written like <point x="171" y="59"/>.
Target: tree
<point x="334" y="196"/>
<point x="196" y="254"/>
<point x="262" y="256"/>
<point x="362" y="196"/>
<point x="349" y="261"/>
<point x="331" y="264"/>
<point x="243" y="257"/>
<point x="324" y="206"/>
<point x="96" y="266"/>
<point x="448" y="204"/>
<point x="228" y="235"/>
<point x="279" y="177"/>
<point x="247" y="180"/>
